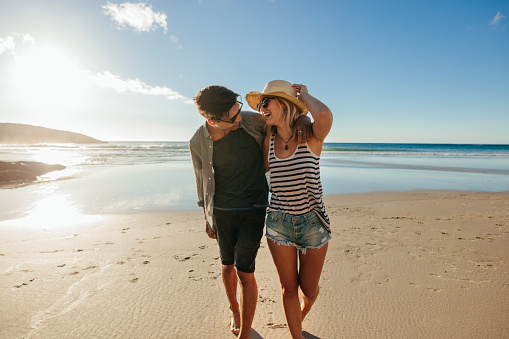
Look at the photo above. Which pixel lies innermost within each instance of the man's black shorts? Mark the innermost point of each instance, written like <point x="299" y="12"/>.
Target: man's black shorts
<point x="238" y="234"/>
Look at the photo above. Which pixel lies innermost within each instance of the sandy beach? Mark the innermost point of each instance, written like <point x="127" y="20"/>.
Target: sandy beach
<point x="417" y="264"/>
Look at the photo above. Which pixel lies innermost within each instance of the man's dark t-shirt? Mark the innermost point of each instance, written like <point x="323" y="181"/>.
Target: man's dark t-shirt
<point x="239" y="172"/>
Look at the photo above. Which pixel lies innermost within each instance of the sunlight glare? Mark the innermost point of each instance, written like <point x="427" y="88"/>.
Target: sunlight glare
<point x="66" y="157"/>
<point x="53" y="211"/>
<point x="49" y="78"/>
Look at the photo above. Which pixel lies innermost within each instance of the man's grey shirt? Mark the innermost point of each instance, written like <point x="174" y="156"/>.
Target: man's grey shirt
<point x="201" y="148"/>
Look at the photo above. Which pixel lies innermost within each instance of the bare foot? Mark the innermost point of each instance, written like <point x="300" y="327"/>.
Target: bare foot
<point x="235" y="322"/>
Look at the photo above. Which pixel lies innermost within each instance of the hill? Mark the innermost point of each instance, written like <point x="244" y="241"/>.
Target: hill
<point x="28" y="134"/>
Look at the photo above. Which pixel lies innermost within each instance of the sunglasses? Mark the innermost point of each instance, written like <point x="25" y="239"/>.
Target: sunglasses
<point x="232" y="120"/>
<point x="264" y="103"/>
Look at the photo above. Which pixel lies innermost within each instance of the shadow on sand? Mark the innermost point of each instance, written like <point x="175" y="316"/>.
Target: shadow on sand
<point x="255" y="335"/>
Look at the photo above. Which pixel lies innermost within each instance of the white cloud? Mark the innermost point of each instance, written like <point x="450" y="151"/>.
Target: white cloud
<point x="28" y="38"/>
<point x="139" y="16"/>
<point x="9" y="44"/>
<point x="175" y="39"/>
<point x="496" y="20"/>
<point x="109" y="80"/>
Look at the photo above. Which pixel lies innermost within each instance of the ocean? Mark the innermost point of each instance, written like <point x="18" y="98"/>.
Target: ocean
<point x="124" y="177"/>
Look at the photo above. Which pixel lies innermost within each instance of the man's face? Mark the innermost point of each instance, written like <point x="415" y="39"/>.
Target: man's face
<point x="231" y="120"/>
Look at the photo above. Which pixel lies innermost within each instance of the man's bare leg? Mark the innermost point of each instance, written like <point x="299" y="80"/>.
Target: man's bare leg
<point x="248" y="299"/>
<point x="229" y="274"/>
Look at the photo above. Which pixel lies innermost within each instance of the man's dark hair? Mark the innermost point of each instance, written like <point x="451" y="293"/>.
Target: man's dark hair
<point x="214" y="102"/>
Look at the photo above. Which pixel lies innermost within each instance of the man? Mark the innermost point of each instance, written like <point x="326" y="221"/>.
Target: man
<point x="226" y="152"/>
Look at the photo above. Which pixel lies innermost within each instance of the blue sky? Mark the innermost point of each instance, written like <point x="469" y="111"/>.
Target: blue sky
<point x="391" y="71"/>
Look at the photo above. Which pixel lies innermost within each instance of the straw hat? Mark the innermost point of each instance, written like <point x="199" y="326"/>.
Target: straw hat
<point x="276" y="88"/>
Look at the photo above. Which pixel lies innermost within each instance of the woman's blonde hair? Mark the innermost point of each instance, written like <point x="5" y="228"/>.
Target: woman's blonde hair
<point x="291" y="113"/>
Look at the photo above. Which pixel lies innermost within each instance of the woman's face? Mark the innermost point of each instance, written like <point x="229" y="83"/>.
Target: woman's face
<point x="272" y="111"/>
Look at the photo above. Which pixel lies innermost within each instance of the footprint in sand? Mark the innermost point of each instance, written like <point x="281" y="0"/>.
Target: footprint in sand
<point x="213" y="274"/>
<point x="274" y="326"/>
<point x="432" y="289"/>
<point x="24" y="284"/>
<point x="181" y="258"/>
<point x="133" y="279"/>
<point x="266" y="300"/>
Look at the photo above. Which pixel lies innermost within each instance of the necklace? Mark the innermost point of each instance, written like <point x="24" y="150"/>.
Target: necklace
<point x="286" y="142"/>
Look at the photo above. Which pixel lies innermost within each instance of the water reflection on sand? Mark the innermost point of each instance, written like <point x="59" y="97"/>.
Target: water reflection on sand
<point x="118" y="189"/>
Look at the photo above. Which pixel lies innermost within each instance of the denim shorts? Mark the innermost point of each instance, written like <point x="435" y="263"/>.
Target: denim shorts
<point x="302" y="231"/>
<point x="238" y="234"/>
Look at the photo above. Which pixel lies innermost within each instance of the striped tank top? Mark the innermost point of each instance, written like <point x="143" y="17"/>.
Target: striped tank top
<point x="295" y="183"/>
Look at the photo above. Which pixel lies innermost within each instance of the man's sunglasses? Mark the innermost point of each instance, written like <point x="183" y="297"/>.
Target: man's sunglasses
<point x="264" y="103"/>
<point x="232" y="120"/>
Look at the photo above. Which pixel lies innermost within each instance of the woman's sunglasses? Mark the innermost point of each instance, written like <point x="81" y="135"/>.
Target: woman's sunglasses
<point x="264" y="103"/>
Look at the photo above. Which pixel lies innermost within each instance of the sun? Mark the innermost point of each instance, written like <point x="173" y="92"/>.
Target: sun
<point x="48" y="78"/>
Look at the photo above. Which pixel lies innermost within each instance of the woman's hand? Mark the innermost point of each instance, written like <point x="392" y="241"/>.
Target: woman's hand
<point x="303" y="129"/>
<point x="301" y="89"/>
<point x="322" y="115"/>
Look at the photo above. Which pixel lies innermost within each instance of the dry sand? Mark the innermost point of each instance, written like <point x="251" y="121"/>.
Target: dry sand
<point x="420" y="264"/>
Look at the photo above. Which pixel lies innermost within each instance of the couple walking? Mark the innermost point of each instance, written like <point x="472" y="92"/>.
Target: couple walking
<point x="231" y="153"/>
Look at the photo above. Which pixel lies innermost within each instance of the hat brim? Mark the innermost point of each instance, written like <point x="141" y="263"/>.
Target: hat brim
<point x="254" y="98"/>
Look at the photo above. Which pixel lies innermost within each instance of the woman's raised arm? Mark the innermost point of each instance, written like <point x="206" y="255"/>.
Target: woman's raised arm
<point x="322" y="115"/>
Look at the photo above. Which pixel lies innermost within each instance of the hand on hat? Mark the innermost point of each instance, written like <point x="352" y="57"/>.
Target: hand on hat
<point x="300" y="89"/>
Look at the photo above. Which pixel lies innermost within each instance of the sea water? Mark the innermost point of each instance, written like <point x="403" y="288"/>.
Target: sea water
<point x="124" y="177"/>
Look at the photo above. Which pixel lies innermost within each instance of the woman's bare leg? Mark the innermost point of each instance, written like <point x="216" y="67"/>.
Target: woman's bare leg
<point x="285" y="259"/>
<point x="310" y="269"/>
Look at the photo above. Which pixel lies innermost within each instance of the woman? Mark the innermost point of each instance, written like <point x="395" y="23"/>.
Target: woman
<point x="298" y="229"/>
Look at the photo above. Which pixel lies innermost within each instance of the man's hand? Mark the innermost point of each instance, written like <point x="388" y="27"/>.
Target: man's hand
<point x="210" y="233"/>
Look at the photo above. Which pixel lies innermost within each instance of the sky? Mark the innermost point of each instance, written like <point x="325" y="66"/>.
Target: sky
<point x="406" y="71"/>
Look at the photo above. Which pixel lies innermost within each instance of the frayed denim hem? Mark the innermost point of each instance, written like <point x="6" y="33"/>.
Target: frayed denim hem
<point x="314" y="247"/>
<point x="300" y="248"/>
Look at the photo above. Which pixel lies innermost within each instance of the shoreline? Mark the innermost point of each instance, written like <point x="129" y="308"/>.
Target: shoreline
<point x="422" y="263"/>
<point x="421" y="167"/>
<point x="170" y="185"/>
